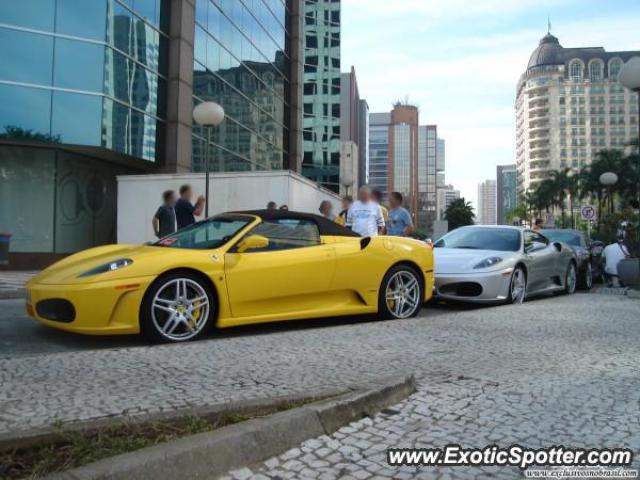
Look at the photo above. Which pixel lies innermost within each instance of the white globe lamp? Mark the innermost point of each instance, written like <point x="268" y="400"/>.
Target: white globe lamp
<point x="207" y="115"/>
<point x="608" y="179"/>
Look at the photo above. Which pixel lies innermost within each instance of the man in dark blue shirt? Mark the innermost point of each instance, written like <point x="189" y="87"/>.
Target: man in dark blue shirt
<point x="164" y="221"/>
<point x="185" y="211"/>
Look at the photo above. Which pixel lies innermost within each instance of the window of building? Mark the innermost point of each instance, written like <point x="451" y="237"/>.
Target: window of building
<point x="575" y="70"/>
<point x="595" y="71"/>
<point x="615" y="64"/>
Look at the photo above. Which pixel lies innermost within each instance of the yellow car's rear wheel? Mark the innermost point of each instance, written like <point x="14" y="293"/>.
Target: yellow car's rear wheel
<point x="177" y="307"/>
<point x="401" y="293"/>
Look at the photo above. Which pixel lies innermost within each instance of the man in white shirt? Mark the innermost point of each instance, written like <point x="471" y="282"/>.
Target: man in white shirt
<point x="611" y="255"/>
<point x="364" y="216"/>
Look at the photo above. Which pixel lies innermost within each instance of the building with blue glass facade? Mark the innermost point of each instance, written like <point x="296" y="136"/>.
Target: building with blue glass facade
<point x="321" y="108"/>
<point x="93" y="89"/>
<point x="506" y="191"/>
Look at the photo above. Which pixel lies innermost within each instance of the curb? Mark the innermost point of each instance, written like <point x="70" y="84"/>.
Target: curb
<point x="249" y="408"/>
<point x="211" y="454"/>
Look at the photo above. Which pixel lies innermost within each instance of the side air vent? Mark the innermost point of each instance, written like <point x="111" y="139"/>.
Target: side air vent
<point x="364" y="242"/>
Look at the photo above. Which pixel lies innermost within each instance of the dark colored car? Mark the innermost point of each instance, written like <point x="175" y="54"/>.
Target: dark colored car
<point x="578" y="242"/>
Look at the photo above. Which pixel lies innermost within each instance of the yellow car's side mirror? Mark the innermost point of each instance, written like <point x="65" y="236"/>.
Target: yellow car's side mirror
<point x="252" y="242"/>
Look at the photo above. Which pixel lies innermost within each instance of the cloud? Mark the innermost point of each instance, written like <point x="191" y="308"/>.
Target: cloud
<point x="460" y="61"/>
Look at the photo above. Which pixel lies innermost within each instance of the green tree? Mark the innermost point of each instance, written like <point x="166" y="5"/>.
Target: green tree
<point x="544" y="197"/>
<point x="563" y="185"/>
<point x="16" y="133"/>
<point x="459" y="213"/>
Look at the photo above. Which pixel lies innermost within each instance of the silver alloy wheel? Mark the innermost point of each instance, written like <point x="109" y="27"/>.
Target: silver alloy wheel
<point x="589" y="278"/>
<point x="402" y="294"/>
<point x="571" y="278"/>
<point x="180" y="309"/>
<point x="518" y="286"/>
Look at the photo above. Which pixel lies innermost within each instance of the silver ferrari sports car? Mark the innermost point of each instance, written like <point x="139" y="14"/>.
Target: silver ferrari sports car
<point x="501" y="264"/>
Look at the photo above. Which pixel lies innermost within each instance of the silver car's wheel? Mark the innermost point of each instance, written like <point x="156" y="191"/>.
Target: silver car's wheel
<point x="571" y="279"/>
<point x="177" y="308"/>
<point x="585" y="282"/>
<point x="401" y="293"/>
<point x="518" y="286"/>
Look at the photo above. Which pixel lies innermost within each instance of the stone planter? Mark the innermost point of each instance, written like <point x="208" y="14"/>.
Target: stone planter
<point x="629" y="272"/>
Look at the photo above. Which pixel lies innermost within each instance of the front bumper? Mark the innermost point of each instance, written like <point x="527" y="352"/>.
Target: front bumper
<point x="485" y="287"/>
<point x="100" y="308"/>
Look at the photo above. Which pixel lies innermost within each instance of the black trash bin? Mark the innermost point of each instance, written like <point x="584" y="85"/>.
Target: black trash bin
<point x="5" y="238"/>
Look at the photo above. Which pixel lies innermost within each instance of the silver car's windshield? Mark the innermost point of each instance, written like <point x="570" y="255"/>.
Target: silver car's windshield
<point x="480" y="238"/>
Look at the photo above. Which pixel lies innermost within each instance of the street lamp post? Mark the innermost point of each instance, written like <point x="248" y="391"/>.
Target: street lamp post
<point x="608" y="180"/>
<point x="207" y="115"/>
<point x="629" y="77"/>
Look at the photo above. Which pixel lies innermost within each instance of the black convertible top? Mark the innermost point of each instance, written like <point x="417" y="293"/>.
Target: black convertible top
<point x="325" y="226"/>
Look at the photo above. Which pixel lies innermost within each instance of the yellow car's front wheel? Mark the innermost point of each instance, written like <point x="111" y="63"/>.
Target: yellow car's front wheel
<point x="177" y="307"/>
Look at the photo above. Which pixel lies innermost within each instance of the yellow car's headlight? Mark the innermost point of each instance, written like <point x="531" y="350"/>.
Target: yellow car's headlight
<point x="108" y="267"/>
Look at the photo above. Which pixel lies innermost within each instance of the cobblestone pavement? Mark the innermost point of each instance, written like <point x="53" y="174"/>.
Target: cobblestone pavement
<point x="560" y="370"/>
<point x="12" y="283"/>
<point x="547" y="374"/>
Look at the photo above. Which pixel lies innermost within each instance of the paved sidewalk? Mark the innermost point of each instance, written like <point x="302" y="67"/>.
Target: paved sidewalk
<point x="12" y="283"/>
<point x="548" y="361"/>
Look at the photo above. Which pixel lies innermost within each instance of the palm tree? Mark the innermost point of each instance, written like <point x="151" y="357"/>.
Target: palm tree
<point x="563" y="184"/>
<point x="544" y="197"/>
<point x="459" y="213"/>
<point x="606" y="161"/>
<point x="529" y="200"/>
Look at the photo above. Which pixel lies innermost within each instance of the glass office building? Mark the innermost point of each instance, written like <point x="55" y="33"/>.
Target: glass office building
<point x="321" y="96"/>
<point x="82" y="91"/>
<point x="241" y="61"/>
<point x="93" y="89"/>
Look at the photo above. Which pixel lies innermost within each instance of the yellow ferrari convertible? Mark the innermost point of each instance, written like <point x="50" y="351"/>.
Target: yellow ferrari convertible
<point x="233" y="269"/>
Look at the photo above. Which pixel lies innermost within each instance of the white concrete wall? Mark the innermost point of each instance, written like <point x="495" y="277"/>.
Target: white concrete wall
<point x="139" y="196"/>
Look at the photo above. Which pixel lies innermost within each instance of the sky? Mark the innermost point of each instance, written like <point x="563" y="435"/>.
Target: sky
<point x="459" y="61"/>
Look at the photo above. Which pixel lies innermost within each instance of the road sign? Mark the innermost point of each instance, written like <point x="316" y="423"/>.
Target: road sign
<point x="588" y="212"/>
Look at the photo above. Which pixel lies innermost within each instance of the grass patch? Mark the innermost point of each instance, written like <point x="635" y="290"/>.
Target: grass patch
<point x="74" y="449"/>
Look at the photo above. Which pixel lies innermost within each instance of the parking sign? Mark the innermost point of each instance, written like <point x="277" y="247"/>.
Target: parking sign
<point x="588" y="212"/>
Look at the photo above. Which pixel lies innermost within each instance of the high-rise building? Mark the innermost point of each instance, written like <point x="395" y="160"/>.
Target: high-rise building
<point x="430" y="172"/>
<point x="378" y="165"/>
<point x="321" y="84"/>
<point x="363" y="142"/>
<point x="506" y="191"/>
<point x="354" y="126"/>
<point x="403" y="157"/>
<point x="446" y="195"/>
<point x="569" y="105"/>
<point x="440" y="163"/>
<point x="90" y="90"/>
<point x="487" y="209"/>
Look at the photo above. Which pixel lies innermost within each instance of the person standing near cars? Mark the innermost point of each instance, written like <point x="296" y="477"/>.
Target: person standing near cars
<point x="400" y="223"/>
<point x="365" y="216"/>
<point x="326" y="210"/>
<point x="185" y="211"/>
<point x="376" y="195"/>
<point x="611" y="256"/>
<point x="164" y="221"/>
<point x="538" y="225"/>
<point x="347" y="201"/>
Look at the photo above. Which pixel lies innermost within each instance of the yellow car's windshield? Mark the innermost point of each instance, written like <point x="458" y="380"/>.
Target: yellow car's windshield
<point x="211" y="233"/>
